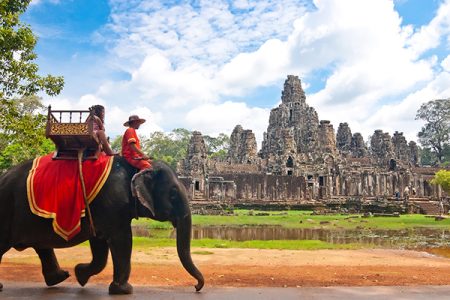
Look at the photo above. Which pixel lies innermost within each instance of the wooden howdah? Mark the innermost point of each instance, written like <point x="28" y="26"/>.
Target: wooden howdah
<point x="72" y="131"/>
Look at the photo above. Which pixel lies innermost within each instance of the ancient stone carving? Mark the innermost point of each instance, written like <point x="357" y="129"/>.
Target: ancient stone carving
<point x="327" y="138"/>
<point x="243" y="149"/>
<point x="414" y="153"/>
<point x="358" y="147"/>
<point x="344" y="138"/>
<point x="322" y="164"/>
<point x="401" y="147"/>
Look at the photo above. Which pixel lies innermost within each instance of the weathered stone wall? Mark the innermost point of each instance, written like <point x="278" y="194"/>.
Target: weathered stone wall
<point x="414" y="151"/>
<point x="243" y="148"/>
<point x="327" y="137"/>
<point x="344" y="138"/>
<point x="303" y="159"/>
<point x="262" y="187"/>
<point x="292" y="124"/>
<point x="401" y="147"/>
<point x="381" y="147"/>
<point x="225" y="167"/>
<point x="293" y="91"/>
<point x="358" y="146"/>
<point x="196" y="158"/>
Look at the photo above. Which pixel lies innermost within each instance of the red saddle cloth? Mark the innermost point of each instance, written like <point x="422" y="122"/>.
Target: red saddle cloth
<point x="54" y="190"/>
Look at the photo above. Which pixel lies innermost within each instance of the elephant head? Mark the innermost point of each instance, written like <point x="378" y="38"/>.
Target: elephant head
<point x="162" y="197"/>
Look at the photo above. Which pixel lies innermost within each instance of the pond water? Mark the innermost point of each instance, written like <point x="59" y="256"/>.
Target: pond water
<point x="408" y="238"/>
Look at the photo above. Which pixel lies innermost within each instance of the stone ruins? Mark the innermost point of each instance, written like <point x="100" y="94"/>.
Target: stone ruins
<point x="303" y="160"/>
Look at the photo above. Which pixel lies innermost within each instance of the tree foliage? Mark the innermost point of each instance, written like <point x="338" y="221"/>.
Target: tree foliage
<point x="116" y="144"/>
<point x="216" y="145"/>
<point x="427" y="157"/>
<point x="442" y="178"/>
<point x="18" y="72"/>
<point x="22" y="134"/>
<point x="22" y="121"/>
<point x="172" y="147"/>
<point x="435" y="134"/>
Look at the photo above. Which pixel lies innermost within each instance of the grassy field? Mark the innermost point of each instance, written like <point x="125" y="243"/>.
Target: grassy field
<point x="142" y="243"/>
<point x="304" y="219"/>
<point x="285" y="219"/>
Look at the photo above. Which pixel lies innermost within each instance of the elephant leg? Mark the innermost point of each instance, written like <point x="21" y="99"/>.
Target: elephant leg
<point x="99" y="249"/>
<point x="120" y="245"/>
<point x="53" y="274"/>
<point x="3" y="250"/>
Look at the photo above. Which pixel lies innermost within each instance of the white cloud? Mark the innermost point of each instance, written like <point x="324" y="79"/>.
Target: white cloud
<point x="67" y="104"/>
<point x="446" y="64"/>
<point x="431" y="35"/>
<point x="37" y="2"/>
<point x="211" y="34"/>
<point x="401" y="116"/>
<point x="114" y="116"/>
<point x="213" y="119"/>
<point x="259" y="68"/>
<point x="156" y="79"/>
<point x="186" y="62"/>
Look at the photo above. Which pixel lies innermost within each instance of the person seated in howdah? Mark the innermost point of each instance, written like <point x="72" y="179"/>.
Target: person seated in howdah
<point x="99" y="128"/>
<point x="131" y="147"/>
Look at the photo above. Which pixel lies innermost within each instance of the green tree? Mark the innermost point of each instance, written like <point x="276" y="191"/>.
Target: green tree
<point x="427" y="157"/>
<point x="214" y="144"/>
<point x="170" y="147"/>
<point x="442" y="178"/>
<point x="446" y="154"/>
<point x="116" y="144"/>
<point x="22" y="121"/>
<point x="18" y="72"/>
<point x="182" y="136"/>
<point x="22" y="131"/>
<point x="435" y="134"/>
<point x="217" y="147"/>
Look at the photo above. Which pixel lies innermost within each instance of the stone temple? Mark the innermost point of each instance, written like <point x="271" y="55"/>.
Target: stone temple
<point x="304" y="160"/>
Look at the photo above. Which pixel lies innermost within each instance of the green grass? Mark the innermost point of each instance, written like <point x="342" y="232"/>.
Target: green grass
<point x="304" y="219"/>
<point x="141" y="243"/>
<point x="160" y="231"/>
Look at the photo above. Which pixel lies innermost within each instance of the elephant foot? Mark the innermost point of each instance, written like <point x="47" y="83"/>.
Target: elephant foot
<point x="56" y="277"/>
<point x="82" y="272"/>
<point x="120" y="289"/>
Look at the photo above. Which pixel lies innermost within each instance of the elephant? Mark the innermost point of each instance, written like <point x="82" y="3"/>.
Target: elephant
<point x="157" y="194"/>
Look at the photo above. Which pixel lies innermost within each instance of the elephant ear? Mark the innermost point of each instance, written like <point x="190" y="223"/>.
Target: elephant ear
<point x="140" y="190"/>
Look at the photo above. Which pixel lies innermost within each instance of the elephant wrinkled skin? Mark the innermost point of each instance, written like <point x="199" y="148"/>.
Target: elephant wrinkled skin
<point x="159" y="195"/>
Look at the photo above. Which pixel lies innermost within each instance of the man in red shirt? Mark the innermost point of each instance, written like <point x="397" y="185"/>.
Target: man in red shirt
<point x="131" y="148"/>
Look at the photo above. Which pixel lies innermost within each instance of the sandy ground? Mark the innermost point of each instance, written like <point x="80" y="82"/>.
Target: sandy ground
<point x="251" y="267"/>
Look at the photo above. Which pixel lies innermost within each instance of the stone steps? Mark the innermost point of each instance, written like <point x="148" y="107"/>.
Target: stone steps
<point x="428" y="207"/>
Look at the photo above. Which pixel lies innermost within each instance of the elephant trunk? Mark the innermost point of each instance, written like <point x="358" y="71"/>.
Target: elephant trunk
<point x="184" y="250"/>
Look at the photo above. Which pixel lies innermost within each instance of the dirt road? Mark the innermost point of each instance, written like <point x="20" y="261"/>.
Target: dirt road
<point x="253" y="268"/>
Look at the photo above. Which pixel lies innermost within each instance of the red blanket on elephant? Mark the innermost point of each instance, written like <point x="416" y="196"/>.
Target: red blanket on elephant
<point x="54" y="190"/>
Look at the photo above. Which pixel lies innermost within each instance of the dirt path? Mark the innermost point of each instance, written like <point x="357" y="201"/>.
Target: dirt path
<point x="251" y="267"/>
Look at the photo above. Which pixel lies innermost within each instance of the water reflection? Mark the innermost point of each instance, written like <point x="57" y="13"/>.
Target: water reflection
<point x="364" y="236"/>
<point x="416" y="237"/>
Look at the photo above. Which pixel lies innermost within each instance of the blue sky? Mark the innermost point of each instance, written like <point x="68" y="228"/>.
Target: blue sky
<point x="210" y="65"/>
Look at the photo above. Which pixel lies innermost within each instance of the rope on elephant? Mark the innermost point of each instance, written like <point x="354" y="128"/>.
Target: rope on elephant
<point x="83" y="187"/>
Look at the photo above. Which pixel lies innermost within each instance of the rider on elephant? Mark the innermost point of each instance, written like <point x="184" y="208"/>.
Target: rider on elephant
<point x="131" y="148"/>
<point x="99" y="128"/>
